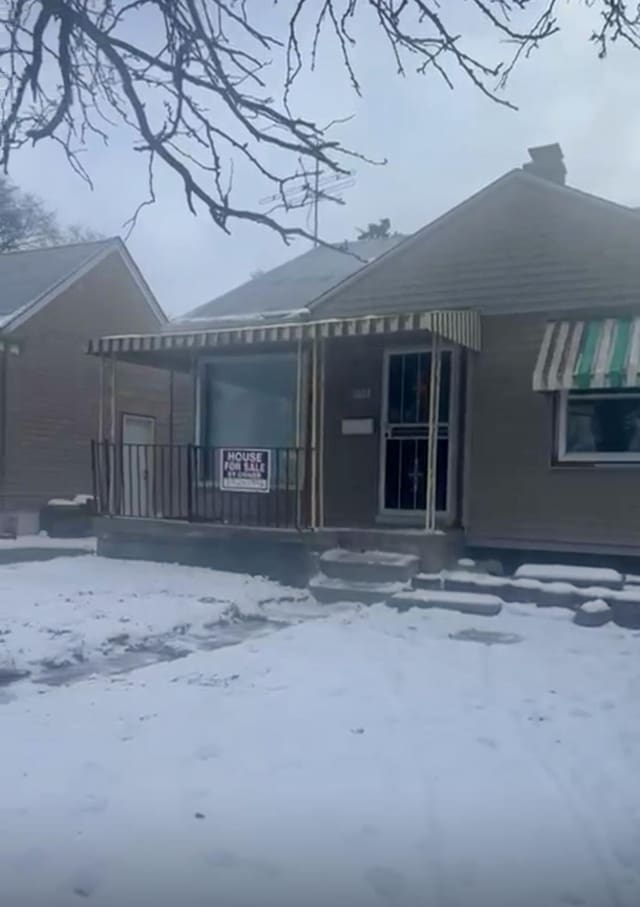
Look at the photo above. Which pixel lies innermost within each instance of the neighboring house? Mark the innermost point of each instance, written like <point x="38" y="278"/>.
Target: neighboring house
<point x="51" y="300"/>
<point x="291" y="287"/>
<point x="480" y="381"/>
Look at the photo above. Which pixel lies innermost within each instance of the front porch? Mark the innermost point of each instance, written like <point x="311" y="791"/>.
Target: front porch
<point x="287" y="555"/>
<point x="347" y="432"/>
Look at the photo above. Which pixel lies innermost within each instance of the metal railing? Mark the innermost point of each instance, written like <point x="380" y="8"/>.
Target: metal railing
<point x="190" y="482"/>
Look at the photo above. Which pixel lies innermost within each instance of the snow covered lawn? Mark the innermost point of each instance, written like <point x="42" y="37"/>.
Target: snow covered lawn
<point x="81" y="610"/>
<point x="368" y="758"/>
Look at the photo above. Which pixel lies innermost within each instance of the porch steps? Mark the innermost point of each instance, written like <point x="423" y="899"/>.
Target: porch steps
<point x="328" y="590"/>
<point x="477" y="603"/>
<point x="368" y="566"/>
<point x="612" y="598"/>
<point x="595" y="595"/>
<point x="368" y="577"/>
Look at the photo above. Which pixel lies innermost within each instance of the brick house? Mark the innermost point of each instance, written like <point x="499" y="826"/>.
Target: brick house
<point x="51" y="301"/>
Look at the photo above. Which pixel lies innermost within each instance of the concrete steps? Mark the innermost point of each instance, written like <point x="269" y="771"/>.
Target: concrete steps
<point x="367" y="577"/>
<point x="329" y="590"/>
<point x="595" y="595"/>
<point x="484" y="605"/>
<point x="368" y="566"/>
<point x="549" y="587"/>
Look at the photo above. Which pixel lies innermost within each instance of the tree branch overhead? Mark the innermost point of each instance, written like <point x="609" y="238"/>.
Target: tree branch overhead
<point x="193" y="80"/>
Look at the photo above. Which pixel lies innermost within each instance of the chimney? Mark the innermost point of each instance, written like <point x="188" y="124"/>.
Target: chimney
<point x="547" y="161"/>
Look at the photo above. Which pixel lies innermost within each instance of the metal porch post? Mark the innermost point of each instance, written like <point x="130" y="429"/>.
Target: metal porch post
<point x="113" y="465"/>
<point x="113" y="397"/>
<point x="323" y="346"/>
<point x="171" y="442"/>
<point x="101" y="402"/>
<point x="171" y="406"/>
<point x="432" y="439"/>
<point x="314" y="433"/>
<point x="299" y="435"/>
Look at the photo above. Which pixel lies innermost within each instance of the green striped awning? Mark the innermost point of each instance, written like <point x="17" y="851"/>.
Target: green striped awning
<point x="587" y="355"/>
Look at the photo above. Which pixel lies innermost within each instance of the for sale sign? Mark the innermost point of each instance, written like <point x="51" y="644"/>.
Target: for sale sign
<point x="245" y="469"/>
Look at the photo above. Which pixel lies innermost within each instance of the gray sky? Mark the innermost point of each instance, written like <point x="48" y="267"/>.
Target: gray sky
<point x="441" y="146"/>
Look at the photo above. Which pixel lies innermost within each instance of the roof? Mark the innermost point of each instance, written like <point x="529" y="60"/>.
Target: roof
<point x="521" y="244"/>
<point x="294" y="284"/>
<point x="29" y="278"/>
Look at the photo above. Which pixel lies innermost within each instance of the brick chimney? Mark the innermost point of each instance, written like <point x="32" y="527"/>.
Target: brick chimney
<point x="547" y="161"/>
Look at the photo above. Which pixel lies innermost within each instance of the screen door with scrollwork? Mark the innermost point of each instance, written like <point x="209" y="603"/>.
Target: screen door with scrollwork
<point x="405" y="431"/>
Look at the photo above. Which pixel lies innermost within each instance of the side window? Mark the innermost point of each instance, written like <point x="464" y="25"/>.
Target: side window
<point x="597" y="426"/>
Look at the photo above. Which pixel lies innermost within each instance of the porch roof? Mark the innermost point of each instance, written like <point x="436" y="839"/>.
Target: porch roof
<point x="461" y="327"/>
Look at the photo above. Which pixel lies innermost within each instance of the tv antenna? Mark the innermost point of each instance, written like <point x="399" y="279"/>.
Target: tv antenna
<point x="309" y="189"/>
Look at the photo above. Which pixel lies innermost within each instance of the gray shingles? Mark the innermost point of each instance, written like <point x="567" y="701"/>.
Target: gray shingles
<point x="296" y="283"/>
<point x="27" y="276"/>
<point x="522" y="244"/>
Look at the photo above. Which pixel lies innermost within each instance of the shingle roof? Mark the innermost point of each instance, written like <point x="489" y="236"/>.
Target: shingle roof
<point x="296" y="283"/>
<point x="25" y="277"/>
<point x="521" y="244"/>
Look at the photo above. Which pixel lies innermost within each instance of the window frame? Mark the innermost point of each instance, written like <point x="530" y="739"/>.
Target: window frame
<point x="563" y="457"/>
<point x="203" y="479"/>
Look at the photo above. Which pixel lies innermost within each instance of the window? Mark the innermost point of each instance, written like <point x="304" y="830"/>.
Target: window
<point x="250" y="400"/>
<point x="599" y="426"/>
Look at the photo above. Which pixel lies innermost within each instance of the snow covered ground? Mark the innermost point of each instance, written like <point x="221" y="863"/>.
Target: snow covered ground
<point x="366" y="758"/>
<point x="80" y="611"/>
<point x="44" y="541"/>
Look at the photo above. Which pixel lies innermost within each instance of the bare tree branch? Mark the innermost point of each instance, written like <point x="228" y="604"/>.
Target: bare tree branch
<point x="188" y="78"/>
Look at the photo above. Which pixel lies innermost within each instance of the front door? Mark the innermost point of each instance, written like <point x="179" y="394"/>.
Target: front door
<point x="138" y="435"/>
<point x="405" y="431"/>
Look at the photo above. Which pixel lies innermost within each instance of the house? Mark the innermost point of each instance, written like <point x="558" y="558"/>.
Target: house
<point x="51" y="300"/>
<point x="475" y="386"/>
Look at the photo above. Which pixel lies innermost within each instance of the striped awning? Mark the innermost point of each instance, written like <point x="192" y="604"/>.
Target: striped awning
<point x="459" y="327"/>
<point x="586" y="355"/>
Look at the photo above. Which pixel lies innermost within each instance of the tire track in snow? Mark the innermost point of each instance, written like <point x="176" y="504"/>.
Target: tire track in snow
<point x="574" y="803"/>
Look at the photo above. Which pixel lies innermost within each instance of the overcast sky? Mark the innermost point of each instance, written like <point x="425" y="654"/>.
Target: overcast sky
<point x="441" y="146"/>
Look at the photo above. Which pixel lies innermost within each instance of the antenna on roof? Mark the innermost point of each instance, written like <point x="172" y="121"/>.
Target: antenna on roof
<point x="310" y="189"/>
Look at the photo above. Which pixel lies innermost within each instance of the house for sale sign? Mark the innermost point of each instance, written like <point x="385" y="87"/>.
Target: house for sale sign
<point x="245" y="469"/>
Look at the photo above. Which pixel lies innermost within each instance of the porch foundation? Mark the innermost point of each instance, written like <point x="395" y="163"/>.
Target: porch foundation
<point x="287" y="555"/>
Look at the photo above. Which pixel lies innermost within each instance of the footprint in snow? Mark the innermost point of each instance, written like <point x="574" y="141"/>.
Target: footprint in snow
<point x="386" y="882"/>
<point x="92" y="805"/>
<point x="226" y="859"/>
<point x="206" y="752"/>
<point x="85" y="882"/>
<point x="488" y="742"/>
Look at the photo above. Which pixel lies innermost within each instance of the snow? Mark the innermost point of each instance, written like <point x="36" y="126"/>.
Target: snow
<point x="364" y="558"/>
<point x="570" y="574"/>
<point x="367" y="758"/>
<point x="466" y="563"/>
<point x="248" y="318"/>
<point x="83" y="610"/>
<point x="595" y="606"/>
<point x="470" y="602"/>
<point x="45" y="541"/>
<point x="71" y="502"/>
<point x="480" y="579"/>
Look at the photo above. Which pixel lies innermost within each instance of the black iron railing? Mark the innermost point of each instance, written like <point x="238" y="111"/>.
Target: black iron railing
<point x="201" y="484"/>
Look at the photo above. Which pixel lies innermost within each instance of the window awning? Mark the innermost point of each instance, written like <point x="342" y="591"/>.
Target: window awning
<point x="460" y="327"/>
<point x="588" y="355"/>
